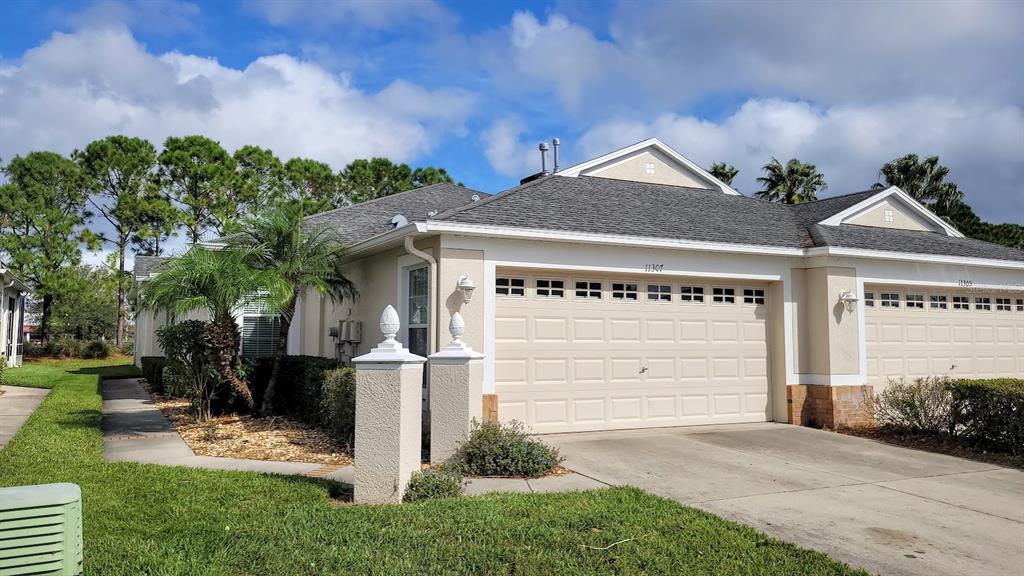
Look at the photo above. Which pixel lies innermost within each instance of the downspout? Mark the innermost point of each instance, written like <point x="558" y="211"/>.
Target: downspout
<point x="432" y="288"/>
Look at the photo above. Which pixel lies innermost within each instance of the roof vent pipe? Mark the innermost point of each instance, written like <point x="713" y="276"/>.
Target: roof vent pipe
<point x="554" y="145"/>
<point x="543" y="147"/>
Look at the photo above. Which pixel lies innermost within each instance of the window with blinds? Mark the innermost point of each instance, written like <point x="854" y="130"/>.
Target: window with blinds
<point x="259" y="335"/>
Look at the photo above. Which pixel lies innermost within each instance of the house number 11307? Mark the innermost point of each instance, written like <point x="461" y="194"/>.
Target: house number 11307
<point x="653" y="267"/>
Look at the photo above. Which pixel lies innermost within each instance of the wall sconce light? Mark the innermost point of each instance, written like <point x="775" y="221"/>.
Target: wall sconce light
<point x="849" y="299"/>
<point x="466" y="286"/>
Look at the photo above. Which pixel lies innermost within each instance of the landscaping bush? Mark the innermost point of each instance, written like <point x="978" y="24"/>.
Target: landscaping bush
<point x="495" y="449"/>
<point x="337" y="413"/>
<point x="924" y="404"/>
<point x="66" y="347"/>
<point x="97" y="349"/>
<point x="437" y="482"/>
<point x="990" y="413"/>
<point x="33" y="350"/>
<point x="189" y="365"/>
<point x="153" y="372"/>
<point x="299" y="388"/>
<point x="128" y="348"/>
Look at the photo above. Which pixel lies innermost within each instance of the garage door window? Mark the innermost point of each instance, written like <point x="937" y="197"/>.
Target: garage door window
<point x="890" y="300"/>
<point x="723" y="295"/>
<point x="589" y="290"/>
<point x="510" y="286"/>
<point x="692" y="293"/>
<point x="550" y="288"/>
<point x="938" y="302"/>
<point x="961" y="303"/>
<point x="1003" y="305"/>
<point x="753" y="296"/>
<point x="869" y="299"/>
<point x="624" y="291"/>
<point x="1020" y="304"/>
<point x="982" y="303"/>
<point x="915" y="301"/>
<point x="659" y="293"/>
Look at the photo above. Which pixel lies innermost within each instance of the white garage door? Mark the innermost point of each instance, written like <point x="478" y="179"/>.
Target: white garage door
<point x="919" y="331"/>
<point x="599" y="352"/>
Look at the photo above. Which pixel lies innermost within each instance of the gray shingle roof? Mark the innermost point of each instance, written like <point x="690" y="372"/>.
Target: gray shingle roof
<point x="146" y="265"/>
<point x="603" y="205"/>
<point x="363" y="221"/>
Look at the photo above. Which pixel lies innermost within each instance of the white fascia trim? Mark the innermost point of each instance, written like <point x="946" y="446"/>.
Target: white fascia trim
<point x="838" y="218"/>
<point x="831" y="379"/>
<point x="380" y="239"/>
<point x="912" y="257"/>
<point x="575" y="169"/>
<point x="613" y="239"/>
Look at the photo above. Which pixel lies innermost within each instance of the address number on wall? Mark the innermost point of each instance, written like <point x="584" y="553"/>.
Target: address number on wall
<point x="653" y="267"/>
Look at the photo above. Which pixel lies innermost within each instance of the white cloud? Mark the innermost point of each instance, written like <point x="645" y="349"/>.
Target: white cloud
<point x="982" y="145"/>
<point x="100" y="81"/>
<point x="160" y="17"/>
<point x="507" y="153"/>
<point x="369" y="13"/>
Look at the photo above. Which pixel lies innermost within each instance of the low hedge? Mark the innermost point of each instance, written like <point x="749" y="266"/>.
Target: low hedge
<point x="153" y="371"/>
<point x="505" y="449"/>
<point x="990" y="413"/>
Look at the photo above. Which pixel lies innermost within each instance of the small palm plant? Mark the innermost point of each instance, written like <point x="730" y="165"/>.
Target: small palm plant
<point x="792" y="183"/>
<point x="218" y="282"/>
<point x="295" y="258"/>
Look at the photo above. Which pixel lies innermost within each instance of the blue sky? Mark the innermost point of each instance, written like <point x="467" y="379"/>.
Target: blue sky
<point x="473" y="86"/>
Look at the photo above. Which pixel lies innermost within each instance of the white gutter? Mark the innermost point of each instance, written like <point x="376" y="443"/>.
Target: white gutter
<point x="912" y="257"/>
<point x="433" y="296"/>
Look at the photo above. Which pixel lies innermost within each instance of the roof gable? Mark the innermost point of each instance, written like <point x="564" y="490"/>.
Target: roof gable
<point x="896" y="205"/>
<point x="650" y="161"/>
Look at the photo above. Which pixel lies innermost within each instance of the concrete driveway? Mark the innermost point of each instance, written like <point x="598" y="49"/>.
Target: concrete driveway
<point x="886" y="509"/>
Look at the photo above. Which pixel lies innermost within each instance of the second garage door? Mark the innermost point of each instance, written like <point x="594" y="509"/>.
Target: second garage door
<point x="595" y="352"/>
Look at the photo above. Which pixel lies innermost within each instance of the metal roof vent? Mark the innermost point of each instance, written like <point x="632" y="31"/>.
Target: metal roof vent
<point x="399" y="221"/>
<point x="475" y="197"/>
<point x="433" y="213"/>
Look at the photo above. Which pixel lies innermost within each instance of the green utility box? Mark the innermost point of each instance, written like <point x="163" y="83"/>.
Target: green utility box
<point x="41" y="530"/>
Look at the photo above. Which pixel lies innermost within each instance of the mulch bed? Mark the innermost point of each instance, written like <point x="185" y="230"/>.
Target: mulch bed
<point x="933" y="442"/>
<point x="275" y="438"/>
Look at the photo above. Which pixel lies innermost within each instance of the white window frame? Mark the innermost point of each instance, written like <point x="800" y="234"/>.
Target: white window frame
<point x="889" y="300"/>
<point x="938" y="302"/>
<point x="1020" y="304"/>
<point x="662" y="293"/>
<point x="726" y="295"/>
<point x="696" y="294"/>
<point x="962" y="303"/>
<point x="589" y="290"/>
<point x="649" y="167"/>
<point x="1004" y="305"/>
<point x="624" y="292"/>
<point x="983" y="303"/>
<point x="889" y="215"/>
<point x="756" y="296"/>
<point x="553" y="292"/>
<point x="914" y="301"/>
<point x="508" y="287"/>
<point x="869" y="299"/>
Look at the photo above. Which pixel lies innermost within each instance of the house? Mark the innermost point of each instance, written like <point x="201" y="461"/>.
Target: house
<point x="637" y="290"/>
<point x="13" y="293"/>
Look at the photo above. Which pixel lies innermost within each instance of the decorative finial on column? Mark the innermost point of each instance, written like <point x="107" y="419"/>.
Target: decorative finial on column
<point x="389" y="323"/>
<point x="457" y="327"/>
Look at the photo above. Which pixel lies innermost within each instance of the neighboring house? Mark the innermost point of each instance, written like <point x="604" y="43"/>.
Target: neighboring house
<point x="12" y="316"/>
<point x="636" y="290"/>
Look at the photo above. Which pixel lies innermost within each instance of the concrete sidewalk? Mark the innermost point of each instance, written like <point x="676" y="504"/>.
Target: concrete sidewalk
<point x="16" y="405"/>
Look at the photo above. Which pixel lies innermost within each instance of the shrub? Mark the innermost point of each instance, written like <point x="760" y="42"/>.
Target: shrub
<point x="189" y="365"/>
<point x="990" y="413"/>
<point x="299" y="387"/>
<point x="153" y="371"/>
<point x="33" y="350"/>
<point x="437" y="482"/>
<point x="337" y="413"/>
<point x="924" y="404"/>
<point x="66" y="347"/>
<point x="97" y="349"/>
<point x="495" y="449"/>
<point x="127" y="348"/>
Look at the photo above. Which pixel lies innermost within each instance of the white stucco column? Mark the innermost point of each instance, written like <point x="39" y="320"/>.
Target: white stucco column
<point x="389" y="408"/>
<point x="456" y="393"/>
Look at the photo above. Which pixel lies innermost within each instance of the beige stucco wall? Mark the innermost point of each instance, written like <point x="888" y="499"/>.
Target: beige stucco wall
<point x="777" y="352"/>
<point x="826" y="336"/>
<point x="903" y="218"/>
<point x="666" y="171"/>
<point x="456" y="388"/>
<point x="454" y="263"/>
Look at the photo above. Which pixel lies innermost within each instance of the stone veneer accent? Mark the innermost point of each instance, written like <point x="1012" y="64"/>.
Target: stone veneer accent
<point x="829" y="406"/>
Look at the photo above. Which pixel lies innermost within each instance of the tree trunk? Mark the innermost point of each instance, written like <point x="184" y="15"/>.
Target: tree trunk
<point x="119" y="334"/>
<point x="279" y="353"/>
<point x="221" y="339"/>
<point x="44" y="321"/>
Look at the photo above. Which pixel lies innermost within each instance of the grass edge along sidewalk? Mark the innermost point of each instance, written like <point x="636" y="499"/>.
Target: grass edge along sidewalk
<point x="151" y="519"/>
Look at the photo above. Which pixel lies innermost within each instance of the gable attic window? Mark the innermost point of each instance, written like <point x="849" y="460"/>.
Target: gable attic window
<point x="723" y="295"/>
<point x="961" y="303"/>
<point x="938" y="301"/>
<point x="691" y="293"/>
<point x="753" y="296"/>
<point x="649" y="167"/>
<point x="982" y="303"/>
<point x="550" y="288"/>
<point x="1003" y="305"/>
<point x="915" y="301"/>
<point x="588" y="290"/>
<point x="624" y="291"/>
<point x="890" y="215"/>
<point x="510" y="286"/>
<point x="659" y="293"/>
<point x="890" y="300"/>
<point x="869" y="299"/>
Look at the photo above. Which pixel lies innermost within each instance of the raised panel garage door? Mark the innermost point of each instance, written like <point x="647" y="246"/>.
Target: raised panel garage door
<point x="596" y="352"/>
<point x="914" y="331"/>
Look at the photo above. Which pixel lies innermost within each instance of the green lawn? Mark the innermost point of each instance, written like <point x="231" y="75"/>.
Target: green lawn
<point x="146" y="519"/>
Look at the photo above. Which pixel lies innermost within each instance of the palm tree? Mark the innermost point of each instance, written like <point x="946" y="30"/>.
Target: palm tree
<point x="297" y="259"/>
<point x="921" y="179"/>
<point x="793" y="183"/>
<point x="724" y="172"/>
<point x="218" y="282"/>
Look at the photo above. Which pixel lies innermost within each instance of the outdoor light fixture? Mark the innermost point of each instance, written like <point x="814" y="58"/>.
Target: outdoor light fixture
<point x="848" y="298"/>
<point x="466" y="286"/>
